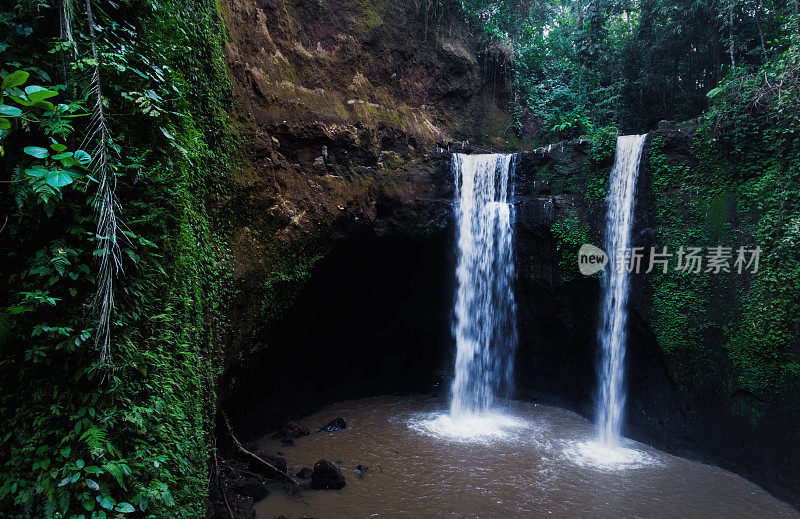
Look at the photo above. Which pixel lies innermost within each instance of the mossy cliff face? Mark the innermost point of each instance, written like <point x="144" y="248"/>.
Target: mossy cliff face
<point x="731" y="339"/>
<point x="712" y="358"/>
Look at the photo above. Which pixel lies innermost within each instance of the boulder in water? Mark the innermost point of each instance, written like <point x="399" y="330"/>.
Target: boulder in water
<point x="337" y="424"/>
<point x="327" y="476"/>
<point x="290" y="430"/>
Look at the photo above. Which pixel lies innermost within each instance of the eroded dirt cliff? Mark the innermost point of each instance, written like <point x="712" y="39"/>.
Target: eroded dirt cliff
<point x="345" y="111"/>
<point x="342" y="103"/>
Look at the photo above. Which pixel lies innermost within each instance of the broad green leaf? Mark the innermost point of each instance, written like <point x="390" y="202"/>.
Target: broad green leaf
<point x="37" y="93"/>
<point x="45" y="105"/>
<point x="125" y="508"/>
<point x="92" y="484"/>
<point x="82" y="157"/>
<point x="68" y="161"/>
<point x="5" y="124"/>
<point x="62" y="155"/>
<point x="35" y="151"/>
<point x="59" y="178"/>
<point x="106" y="502"/>
<point x="58" y="147"/>
<point x="15" y="79"/>
<point x="20" y="100"/>
<point x="10" y="111"/>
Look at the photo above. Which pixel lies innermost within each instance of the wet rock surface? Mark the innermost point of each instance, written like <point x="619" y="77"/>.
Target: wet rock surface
<point x="337" y="424"/>
<point x="290" y="430"/>
<point x="327" y="476"/>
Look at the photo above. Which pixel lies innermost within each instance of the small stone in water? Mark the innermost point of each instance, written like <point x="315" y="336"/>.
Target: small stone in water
<point x="337" y="424"/>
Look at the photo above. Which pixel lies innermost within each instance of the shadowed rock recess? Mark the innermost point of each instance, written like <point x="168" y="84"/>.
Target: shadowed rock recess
<point x="343" y="237"/>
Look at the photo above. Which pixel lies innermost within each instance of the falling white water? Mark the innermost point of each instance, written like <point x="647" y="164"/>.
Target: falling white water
<point x="484" y="323"/>
<point x="615" y="283"/>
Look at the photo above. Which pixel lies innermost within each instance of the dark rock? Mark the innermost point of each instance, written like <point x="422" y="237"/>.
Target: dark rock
<point x="304" y="473"/>
<point x="361" y="470"/>
<point x="327" y="476"/>
<point x="337" y="424"/>
<point x="290" y="430"/>
<point x="251" y="488"/>
<point x="279" y="462"/>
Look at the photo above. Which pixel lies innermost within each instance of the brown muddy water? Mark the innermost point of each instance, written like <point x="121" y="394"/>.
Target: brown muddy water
<point x="533" y="461"/>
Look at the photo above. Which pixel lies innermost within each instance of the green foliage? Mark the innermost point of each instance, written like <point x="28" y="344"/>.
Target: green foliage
<point x="581" y="66"/>
<point x="84" y="439"/>
<point x="570" y="234"/>
<point x="744" y="190"/>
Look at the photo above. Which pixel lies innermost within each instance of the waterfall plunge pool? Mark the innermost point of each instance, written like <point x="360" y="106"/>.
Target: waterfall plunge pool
<point x="529" y="461"/>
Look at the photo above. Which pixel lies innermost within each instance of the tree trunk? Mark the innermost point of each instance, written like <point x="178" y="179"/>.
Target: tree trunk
<point x="761" y="33"/>
<point x="730" y="35"/>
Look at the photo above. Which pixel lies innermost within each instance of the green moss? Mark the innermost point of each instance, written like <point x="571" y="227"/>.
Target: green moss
<point x="739" y="190"/>
<point x="570" y="233"/>
<point x="368" y="15"/>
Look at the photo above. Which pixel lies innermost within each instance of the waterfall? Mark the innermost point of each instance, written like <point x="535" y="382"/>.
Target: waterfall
<point x="615" y="283"/>
<point x="484" y="320"/>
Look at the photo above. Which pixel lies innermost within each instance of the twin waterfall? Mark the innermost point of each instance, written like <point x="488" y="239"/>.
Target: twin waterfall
<point x="614" y="288"/>
<point x="484" y="321"/>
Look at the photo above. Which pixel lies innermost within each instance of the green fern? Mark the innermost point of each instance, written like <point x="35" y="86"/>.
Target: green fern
<point x="96" y="440"/>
